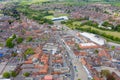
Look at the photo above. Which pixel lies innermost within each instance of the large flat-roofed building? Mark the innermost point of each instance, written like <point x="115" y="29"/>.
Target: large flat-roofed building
<point x="48" y="77"/>
<point x="61" y="70"/>
<point x="94" y="38"/>
<point x="60" y="18"/>
<point x="50" y="48"/>
<point x="87" y="45"/>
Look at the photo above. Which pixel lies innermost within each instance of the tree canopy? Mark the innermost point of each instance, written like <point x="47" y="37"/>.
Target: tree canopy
<point x="6" y="75"/>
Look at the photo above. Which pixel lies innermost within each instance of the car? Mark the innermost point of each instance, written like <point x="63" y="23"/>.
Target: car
<point x="68" y="75"/>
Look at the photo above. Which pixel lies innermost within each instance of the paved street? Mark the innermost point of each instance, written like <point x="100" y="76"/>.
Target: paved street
<point x="80" y="73"/>
<point x="78" y="70"/>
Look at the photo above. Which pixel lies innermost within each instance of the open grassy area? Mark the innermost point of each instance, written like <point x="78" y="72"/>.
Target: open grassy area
<point x="24" y="2"/>
<point x="115" y="4"/>
<point x="49" y="17"/>
<point x="62" y="14"/>
<point x="51" y="11"/>
<point x="76" y="23"/>
<point x="113" y="33"/>
<point x="1" y="45"/>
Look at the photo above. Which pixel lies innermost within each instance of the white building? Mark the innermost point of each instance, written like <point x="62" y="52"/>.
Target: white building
<point x="50" y="48"/>
<point x="60" y="18"/>
<point x="94" y="38"/>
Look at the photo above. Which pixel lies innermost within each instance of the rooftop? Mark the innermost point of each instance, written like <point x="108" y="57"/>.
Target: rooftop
<point x="94" y="38"/>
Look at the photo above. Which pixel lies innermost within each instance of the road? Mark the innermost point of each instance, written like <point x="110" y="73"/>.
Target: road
<point x="67" y="59"/>
<point x="77" y="68"/>
<point x="80" y="73"/>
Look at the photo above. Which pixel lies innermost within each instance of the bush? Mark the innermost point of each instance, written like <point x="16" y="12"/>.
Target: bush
<point x="117" y="28"/>
<point x="13" y="73"/>
<point x="90" y="23"/>
<point x="105" y="73"/>
<point x="107" y="24"/>
<point x="29" y="51"/>
<point x="9" y="43"/>
<point x="63" y="22"/>
<point x="110" y="77"/>
<point x="29" y="39"/>
<point x="14" y="54"/>
<point x="26" y="74"/>
<point x="6" y="75"/>
<point x="19" y="40"/>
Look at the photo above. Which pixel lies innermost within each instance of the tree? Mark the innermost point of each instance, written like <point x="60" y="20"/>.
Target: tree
<point x="29" y="39"/>
<point x="96" y="51"/>
<point x="6" y="75"/>
<point x="110" y="77"/>
<point x="19" y="40"/>
<point x="77" y="46"/>
<point x="14" y="36"/>
<point x="26" y="74"/>
<point x="62" y="22"/>
<point x="10" y="21"/>
<point x="117" y="27"/>
<point x="107" y="24"/>
<point x="24" y="56"/>
<point x="105" y="73"/>
<point x="29" y="51"/>
<point x="9" y="43"/>
<point x="113" y="47"/>
<point x="13" y="73"/>
<point x="14" y="54"/>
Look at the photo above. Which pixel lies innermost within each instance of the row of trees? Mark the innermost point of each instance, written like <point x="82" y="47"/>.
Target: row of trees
<point x="14" y="74"/>
<point x="106" y="24"/>
<point x="35" y="14"/>
<point x="113" y="27"/>
<point x="9" y="74"/>
<point x="117" y="28"/>
<point x="90" y="23"/>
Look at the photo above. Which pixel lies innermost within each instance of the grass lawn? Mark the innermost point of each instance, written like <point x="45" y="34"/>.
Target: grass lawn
<point x="1" y="45"/>
<point x="61" y="14"/>
<point x="115" y="3"/>
<point x="32" y="1"/>
<point x="76" y="23"/>
<point x="49" y="17"/>
<point x="51" y="11"/>
<point x="58" y="15"/>
<point x="113" y="33"/>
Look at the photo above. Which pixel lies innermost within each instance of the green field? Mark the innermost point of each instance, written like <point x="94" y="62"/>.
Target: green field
<point x="49" y="17"/>
<point x="115" y="4"/>
<point x="29" y="2"/>
<point x="113" y="33"/>
<point x="77" y="23"/>
<point x="1" y="45"/>
<point x="109" y="35"/>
